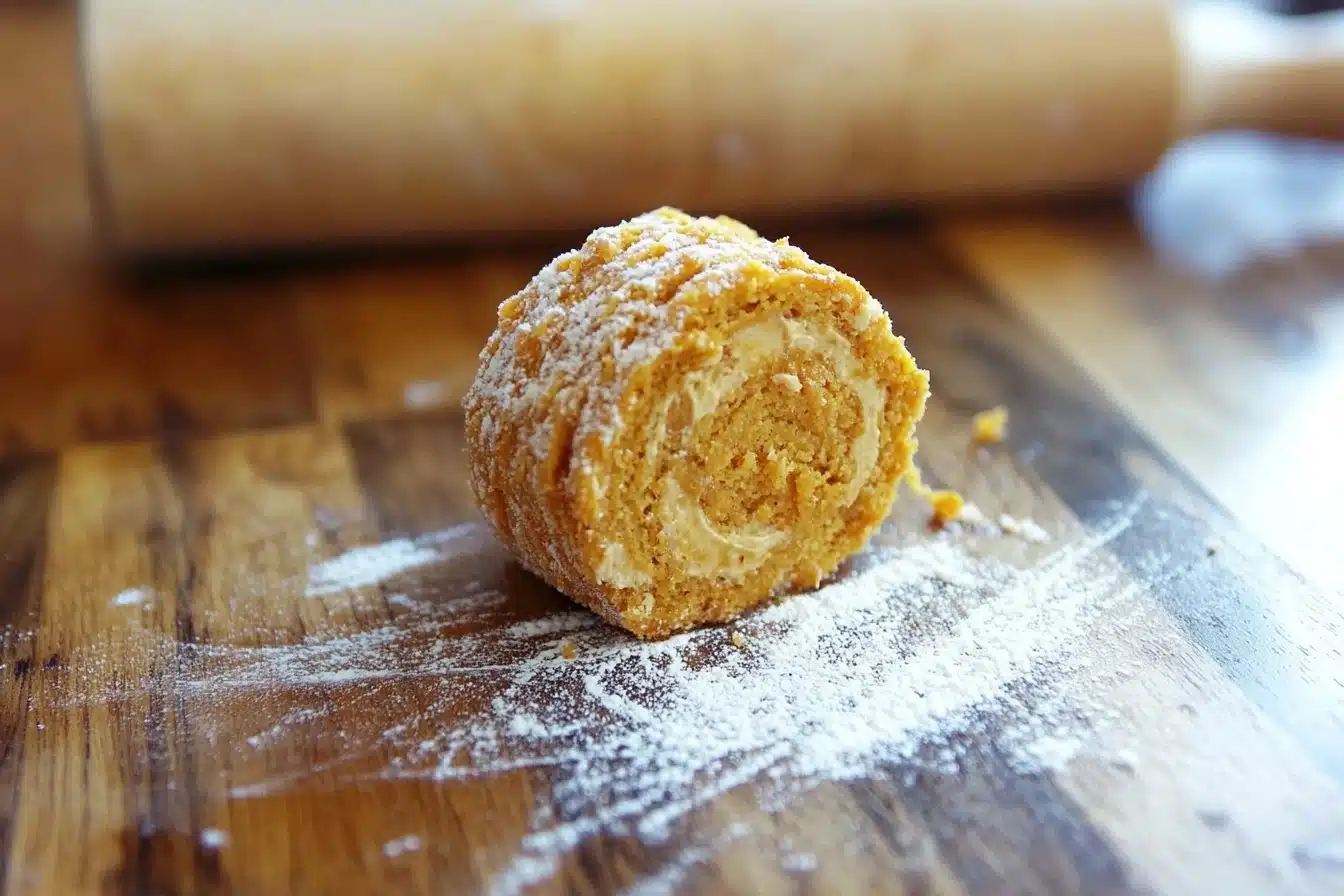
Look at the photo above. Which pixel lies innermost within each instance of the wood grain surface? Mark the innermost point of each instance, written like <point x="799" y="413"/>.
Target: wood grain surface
<point x="188" y="706"/>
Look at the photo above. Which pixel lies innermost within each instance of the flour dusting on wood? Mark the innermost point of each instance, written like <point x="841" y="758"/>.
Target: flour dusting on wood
<point x="402" y="845"/>
<point x="132" y="597"/>
<point x="885" y="670"/>
<point x="214" y="838"/>
<point x="372" y="564"/>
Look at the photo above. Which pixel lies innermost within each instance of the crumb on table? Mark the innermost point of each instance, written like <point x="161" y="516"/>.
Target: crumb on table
<point x="737" y="639"/>
<point x="568" y="651"/>
<point x="947" y="506"/>
<point x="989" y="427"/>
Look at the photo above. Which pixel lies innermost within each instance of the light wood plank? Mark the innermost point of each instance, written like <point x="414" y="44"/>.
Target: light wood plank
<point x="1193" y="362"/>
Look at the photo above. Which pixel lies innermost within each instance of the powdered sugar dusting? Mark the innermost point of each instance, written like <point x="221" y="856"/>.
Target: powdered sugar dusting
<point x="666" y="881"/>
<point x="799" y="863"/>
<point x="424" y="394"/>
<point x="363" y="566"/>
<point x="837" y="684"/>
<point x="214" y="838"/>
<point x="132" y="597"/>
<point x="907" y="649"/>
<point x="402" y="845"/>
<point x="972" y="520"/>
<point x="916" y="643"/>
<point x="568" y="343"/>
<point x="279" y="730"/>
<point x="1025" y="528"/>
<point x="369" y="565"/>
<point x="1033" y="749"/>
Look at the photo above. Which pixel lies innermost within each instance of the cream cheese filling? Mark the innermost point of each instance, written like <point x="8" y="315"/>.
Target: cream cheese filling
<point x="707" y="549"/>
<point x="617" y="568"/>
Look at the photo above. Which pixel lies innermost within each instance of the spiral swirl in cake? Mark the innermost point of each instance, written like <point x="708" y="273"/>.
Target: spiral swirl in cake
<point x="681" y="419"/>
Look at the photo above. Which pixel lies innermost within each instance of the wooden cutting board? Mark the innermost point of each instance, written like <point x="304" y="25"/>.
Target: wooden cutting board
<point x="255" y="640"/>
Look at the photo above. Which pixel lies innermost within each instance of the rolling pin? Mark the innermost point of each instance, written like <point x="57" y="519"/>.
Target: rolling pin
<point x="240" y="124"/>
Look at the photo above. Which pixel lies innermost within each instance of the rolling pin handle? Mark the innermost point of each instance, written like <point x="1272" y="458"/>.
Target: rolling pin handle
<point x="1250" y="70"/>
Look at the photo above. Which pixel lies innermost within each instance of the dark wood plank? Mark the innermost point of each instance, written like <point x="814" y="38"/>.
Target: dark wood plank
<point x="25" y="500"/>
<point x="401" y="462"/>
<point x="358" y="319"/>
<point x="99" y="736"/>
<point x="26" y="485"/>
<point x="108" y="363"/>
<point x="89" y="353"/>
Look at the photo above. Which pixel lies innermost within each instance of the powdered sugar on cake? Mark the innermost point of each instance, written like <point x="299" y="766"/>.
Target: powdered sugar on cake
<point x="591" y="324"/>
<point x="577" y="416"/>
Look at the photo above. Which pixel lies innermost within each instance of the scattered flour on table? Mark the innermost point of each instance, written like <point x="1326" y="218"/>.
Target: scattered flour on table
<point x="1043" y="749"/>
<point x="799" y="862"/>
<point x="214" y="838"/>
<point x="973" y="521"/>
<point x="132" y="597"/>
<point x="280" y="730"/>
<point x="1025" y="528"/>
<point x="665" y="881"/>
<point x="401" y="846"/>
<point x="1325" y="855"/>
<point x="372" y="564"/>
<point x="424" y="394"/>
<point x="886" y="668"/>
<point x="913" y="655"/>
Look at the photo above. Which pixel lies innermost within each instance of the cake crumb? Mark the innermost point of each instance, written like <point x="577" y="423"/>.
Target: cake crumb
<point x="568" y="651"/>
<point x="947" y="504"/>
<point x="737" y="639"/>
<point x="947" y="507"/>
<point x="990" y="427"/>
<point x="789" y="381"/>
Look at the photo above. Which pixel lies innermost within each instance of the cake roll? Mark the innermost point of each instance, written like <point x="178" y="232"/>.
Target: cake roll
<point x="681" y="419"/>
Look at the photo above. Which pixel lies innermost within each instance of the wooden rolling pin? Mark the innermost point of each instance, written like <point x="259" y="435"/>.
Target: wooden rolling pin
<point x="251" y="123"/>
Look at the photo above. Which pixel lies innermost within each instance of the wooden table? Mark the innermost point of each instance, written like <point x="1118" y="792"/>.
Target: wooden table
<point x="255" y="639"/>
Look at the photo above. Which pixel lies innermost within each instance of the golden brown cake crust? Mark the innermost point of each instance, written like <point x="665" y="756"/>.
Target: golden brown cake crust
<point x="680" y="419"/>
<point x="990" y="427"/>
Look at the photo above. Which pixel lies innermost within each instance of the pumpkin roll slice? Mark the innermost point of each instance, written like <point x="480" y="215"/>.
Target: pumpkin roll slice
<point x="681" y="419"/>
